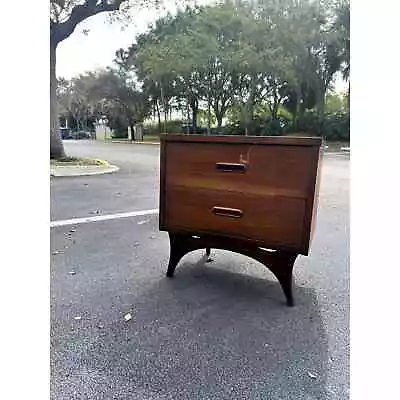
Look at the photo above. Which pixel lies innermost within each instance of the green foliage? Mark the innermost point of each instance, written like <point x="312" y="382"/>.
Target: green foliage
<point x="76" y="101"/>
<point x="260" y="126"/>
<point x="263" y="66"/>
<point x="119" y="129"/>
<point x="335" y="103"/>
<point x="174" y="126"/>
<point x="334" y="127"/>
<point x="342" y="31"/>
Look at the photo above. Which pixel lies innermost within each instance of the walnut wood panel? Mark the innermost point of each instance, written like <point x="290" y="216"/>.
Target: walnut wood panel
<point x="315" y="191"/>
<point x="279" y="170"/>
<point x="274" y="222"/>
<point x="272" y="140"/>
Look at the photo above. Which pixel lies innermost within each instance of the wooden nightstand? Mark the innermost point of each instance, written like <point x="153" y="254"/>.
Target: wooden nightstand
<point x="253" y="195"/>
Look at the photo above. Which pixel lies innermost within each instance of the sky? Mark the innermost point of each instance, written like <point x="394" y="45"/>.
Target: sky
<point x="81" y="53"/>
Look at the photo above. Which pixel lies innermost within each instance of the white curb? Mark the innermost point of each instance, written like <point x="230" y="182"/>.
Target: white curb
<point x="61" y="171"/>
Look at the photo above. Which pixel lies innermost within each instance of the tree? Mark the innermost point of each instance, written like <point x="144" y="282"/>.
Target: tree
<point x="342" y="28"/>
<point x="163" y="60"/>
<point x="194" y="52"/>
<point x="65" y="15"/>
<point x="310" y="37"/>
<point x="298" y="100"/>
<point x="75" y="99"/>
<point x="335" y="103"/>
<point x="246" y="59"/>
<point x="121" y="97"/>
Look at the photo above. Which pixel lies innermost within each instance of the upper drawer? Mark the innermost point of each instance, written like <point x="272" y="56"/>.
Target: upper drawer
<point x="252" y="168"/>
<point x="271" y="223"/>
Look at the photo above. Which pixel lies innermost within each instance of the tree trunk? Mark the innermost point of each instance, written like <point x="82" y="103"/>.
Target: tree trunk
<point x="158" y="116"/>
<point x="132" y="128"/>
<point x="250" y="108"/>
<point x="209" y="101"/>
<point x="275" y="107"/>
<point x="320" y="110"/>
<point x="56" y="144"/>
<point x="194" y="106"/>
<point x="164" y="107"/>
<point x="188" y="117"/>
<point x="219" y="114"/>
<point x="219" y="122"/>
<point x="348" y="98"/>
<point x="296" y="114"/>
<point x="208" y="116"/>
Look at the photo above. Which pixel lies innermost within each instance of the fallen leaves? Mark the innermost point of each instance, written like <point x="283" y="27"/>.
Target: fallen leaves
<point x="95" y="212"/>
<point x="311" y="375"/>
<point x="128" y="317"/>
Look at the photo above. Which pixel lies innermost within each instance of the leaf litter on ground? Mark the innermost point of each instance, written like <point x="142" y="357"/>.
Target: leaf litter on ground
<point x="128" y="317"/>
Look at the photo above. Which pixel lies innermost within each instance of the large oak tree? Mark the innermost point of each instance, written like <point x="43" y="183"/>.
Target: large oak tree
<point x="65" y="15"/>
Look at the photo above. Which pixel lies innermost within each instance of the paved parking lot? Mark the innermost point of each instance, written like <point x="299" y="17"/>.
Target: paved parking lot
<point x="218" y="330"/>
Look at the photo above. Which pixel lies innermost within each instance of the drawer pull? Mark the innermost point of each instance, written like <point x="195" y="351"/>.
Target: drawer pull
<point x="228" y="212"/>
<point x="231" y="167"/>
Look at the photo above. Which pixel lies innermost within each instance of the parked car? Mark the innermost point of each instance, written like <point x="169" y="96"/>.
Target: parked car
<point x="66" y="133"/>
<point x="198" y="130"/>
<point x="82" y="135"/>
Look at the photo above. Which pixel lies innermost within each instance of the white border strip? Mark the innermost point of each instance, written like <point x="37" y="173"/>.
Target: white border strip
<point x="84" y="220"/>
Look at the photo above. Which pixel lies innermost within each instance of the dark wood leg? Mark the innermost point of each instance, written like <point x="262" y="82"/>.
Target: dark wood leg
<point x="281" y="265"/>
<point x="208" y="253"/>
<point x="278" y="262"/>
<point x="178" y="248"/>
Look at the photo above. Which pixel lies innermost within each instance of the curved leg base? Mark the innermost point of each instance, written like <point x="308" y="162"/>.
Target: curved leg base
<point x="278" y="262"/>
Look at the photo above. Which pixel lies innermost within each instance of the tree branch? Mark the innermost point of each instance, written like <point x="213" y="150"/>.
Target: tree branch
<point x="59" y="32"/>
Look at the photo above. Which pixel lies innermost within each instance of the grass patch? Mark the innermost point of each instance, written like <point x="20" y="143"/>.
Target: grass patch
<point x="151" y="138"/>
<point x="78" y="161"/>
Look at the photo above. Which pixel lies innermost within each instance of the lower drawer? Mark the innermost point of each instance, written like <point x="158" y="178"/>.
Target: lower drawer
<point x="272" y="221"/>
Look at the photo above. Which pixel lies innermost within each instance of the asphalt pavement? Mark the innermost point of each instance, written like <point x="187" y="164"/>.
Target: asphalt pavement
<point x="218" y="330"/>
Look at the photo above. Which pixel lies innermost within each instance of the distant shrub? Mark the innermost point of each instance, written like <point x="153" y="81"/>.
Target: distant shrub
<point x="118" y="134"/>
<point x="174" y="126"/>
<point x="334" y="127"/>
<point x="259" y="126"/>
